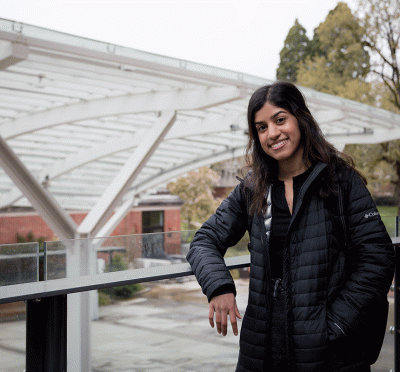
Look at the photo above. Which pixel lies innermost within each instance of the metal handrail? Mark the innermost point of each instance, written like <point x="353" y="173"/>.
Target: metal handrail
<point x="56" y="287"/>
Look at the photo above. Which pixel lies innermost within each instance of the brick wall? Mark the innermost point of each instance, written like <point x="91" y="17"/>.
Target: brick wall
<point x="172" y="222"/>
<point x="22" y="223"/>
<point x="26" y="222"/>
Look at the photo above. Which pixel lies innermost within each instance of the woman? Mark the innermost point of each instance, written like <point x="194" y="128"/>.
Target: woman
<point x="321" y="259"/>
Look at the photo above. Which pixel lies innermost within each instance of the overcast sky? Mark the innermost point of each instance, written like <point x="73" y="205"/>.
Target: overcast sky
<point x="239" y="35"/>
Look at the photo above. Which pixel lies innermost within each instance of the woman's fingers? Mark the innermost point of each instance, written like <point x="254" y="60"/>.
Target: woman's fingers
<point x="233" y="319"/>
<point x="211" y="316"/>
<point x="223" y="306"/>
<point x="219" y="319"/>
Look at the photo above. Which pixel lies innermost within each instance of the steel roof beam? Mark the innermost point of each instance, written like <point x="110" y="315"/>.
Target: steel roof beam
<point x="374" y="137"/>
<point x="198" y="98"/>
<point x="167" y="175"/>
<point x="211" y="124"/>
<point x="121" y="183"/>
<point x="12" y="53"/>
<point x="327" y="116"/>
<point x="52" y="213"/>
<point x="88" y="155"/>
<point x="329" y="101"/>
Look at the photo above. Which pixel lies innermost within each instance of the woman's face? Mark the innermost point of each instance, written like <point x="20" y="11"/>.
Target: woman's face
<point x="279" y="134"/>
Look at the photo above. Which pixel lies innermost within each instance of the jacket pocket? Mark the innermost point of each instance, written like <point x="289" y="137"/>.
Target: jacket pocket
<point x="365" y="343"/>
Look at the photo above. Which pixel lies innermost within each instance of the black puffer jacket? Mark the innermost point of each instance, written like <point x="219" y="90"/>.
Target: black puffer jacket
<point x="334" y="292"/>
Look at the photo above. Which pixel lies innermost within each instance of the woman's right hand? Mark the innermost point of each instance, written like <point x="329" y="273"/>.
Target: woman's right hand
<point x="224" y="305"/>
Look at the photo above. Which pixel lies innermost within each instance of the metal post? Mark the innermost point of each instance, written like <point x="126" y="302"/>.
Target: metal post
<point x="397" y="311"/>
<point x="46" y="334"/>
<point x="43" y="263"/>
<point x="397" y="226"/>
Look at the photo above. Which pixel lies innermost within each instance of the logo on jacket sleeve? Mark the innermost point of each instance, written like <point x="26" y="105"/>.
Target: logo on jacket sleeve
<point x="371" y="214"/>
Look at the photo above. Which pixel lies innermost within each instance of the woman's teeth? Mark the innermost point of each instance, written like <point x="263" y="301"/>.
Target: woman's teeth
<point x="278" y="145"/>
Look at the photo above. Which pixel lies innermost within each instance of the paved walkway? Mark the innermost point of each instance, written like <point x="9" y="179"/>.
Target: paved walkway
<point x="164" y="329"/>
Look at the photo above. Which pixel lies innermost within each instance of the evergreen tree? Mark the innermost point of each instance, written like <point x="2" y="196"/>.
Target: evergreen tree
<point x="295" y="50"/>
<point x="339" y="38"/>
<point x="337" y="62"/>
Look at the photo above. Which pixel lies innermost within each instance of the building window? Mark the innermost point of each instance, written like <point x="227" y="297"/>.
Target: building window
<point x="153" y="222"/>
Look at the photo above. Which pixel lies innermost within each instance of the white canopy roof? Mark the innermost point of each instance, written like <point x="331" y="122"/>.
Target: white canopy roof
<point x="87" y="125"/>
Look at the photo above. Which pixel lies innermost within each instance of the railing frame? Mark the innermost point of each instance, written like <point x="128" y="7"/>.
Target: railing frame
<point x="46" y="336"/>
<point x="46" y="333"/>
<point x="396" y="243"/>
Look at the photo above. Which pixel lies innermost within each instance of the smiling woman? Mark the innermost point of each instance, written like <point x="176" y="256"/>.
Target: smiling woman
<point x="309" y="299"/>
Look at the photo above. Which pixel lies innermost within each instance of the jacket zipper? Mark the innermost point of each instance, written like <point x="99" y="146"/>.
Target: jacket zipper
<point x="276" y="286"/>
<point x="341" y="215"/>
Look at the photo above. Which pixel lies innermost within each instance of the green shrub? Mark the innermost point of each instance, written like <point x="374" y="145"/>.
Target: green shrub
<point x="123" y="292"/>
<point x="104" y="299"/>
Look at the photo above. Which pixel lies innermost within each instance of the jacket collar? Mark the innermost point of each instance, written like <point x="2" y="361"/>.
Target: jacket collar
<point x="318" y="168"/>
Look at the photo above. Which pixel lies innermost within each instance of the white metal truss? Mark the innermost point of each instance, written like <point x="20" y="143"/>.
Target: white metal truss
<point x="131" y="169"/>
<point x="40" y="198"/>
<point x="77" y="113"/>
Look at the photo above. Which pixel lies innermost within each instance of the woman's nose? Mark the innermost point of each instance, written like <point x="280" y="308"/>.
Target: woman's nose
<point x="273" y="131"/>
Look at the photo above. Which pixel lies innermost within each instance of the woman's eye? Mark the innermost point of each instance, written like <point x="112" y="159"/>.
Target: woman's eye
<point x="280" y="120"/>
<point x="260" y="128"/>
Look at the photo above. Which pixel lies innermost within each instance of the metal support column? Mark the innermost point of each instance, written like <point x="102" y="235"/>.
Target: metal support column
<point x="46" y="334"/>
<point x="397" y="311"/>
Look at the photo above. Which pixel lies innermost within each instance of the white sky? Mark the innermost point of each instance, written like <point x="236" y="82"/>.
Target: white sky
<point x="239" y="35"/>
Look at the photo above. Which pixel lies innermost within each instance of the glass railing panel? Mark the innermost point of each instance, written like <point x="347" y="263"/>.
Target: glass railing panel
<point x="116" y="253"/>
<point x="147" y="250"/>
<point x="56" y="262"/>
<point x="71" y="258"/>
<point x="141" y="251"/>
<point x="19" y="263"/>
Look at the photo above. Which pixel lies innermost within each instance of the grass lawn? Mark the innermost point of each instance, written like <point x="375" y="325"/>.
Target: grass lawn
<point x="388" y="215"/>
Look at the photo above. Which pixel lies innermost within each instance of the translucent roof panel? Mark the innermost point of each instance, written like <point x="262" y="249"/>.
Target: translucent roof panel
<point x="97" y="125"/>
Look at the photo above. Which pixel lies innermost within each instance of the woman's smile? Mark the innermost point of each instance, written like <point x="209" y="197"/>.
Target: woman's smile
<point x="279" y="145"/>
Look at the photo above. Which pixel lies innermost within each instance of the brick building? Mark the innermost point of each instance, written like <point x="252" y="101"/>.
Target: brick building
<point x="158" y="213"/>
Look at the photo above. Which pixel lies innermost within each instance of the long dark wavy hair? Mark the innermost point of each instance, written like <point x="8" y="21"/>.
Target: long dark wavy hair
<point x="316" y="148"/>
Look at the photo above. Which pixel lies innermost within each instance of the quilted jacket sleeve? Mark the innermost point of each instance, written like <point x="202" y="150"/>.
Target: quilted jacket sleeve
<point x="371" y="269"/>
<point x="222" y="230"/>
